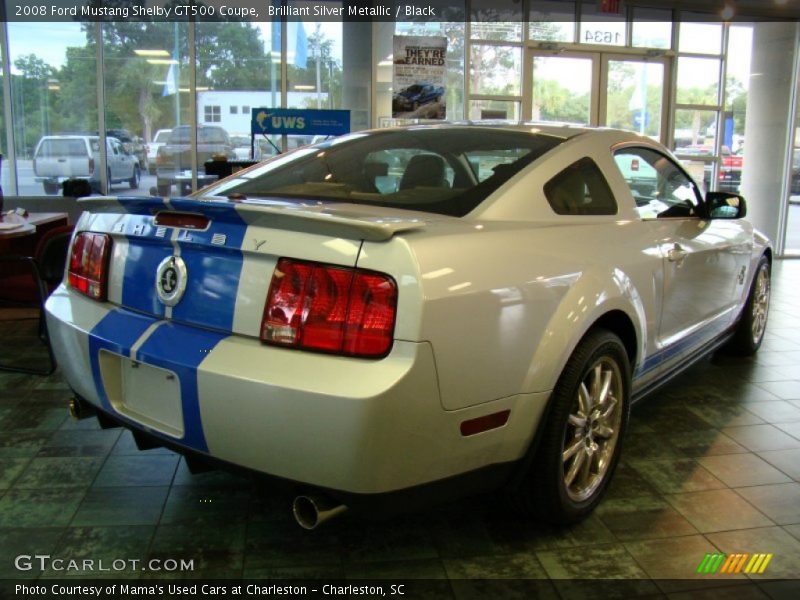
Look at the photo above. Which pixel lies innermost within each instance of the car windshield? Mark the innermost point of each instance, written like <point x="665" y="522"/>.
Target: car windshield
<point x="161" y="137"/>
<point x="445" y="171"/>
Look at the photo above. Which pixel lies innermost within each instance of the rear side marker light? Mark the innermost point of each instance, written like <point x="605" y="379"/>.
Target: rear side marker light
<point x="484" y="423"/>
<point x="328" y="308"/>
<point x="88" y="264"/>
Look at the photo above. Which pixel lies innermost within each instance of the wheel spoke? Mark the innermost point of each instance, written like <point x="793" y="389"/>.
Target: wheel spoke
<point x="570" y="452"/>
<point x="603" y="394"/>
<point x="597" y="378"/>
<point x="609" y="409"/>
<point x="603" y="431"/>
<point x="577" y="421"/>
<point x="586" y="468"/>
<point x="584" y="400"/>
<point x="577" y="463"/>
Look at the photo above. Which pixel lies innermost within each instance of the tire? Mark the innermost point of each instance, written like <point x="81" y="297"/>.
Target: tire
<point x="753" y="321"/>
<point x="562" y="491"/>
<point x="134" y="180"/>
<point x="51" y="188"/>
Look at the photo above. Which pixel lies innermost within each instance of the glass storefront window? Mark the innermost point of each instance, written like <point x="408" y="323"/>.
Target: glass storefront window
<point x="562" y="89"/>
<point x="652" y="28"/>
<point x="314" y="54"/>
<point x="493" y="109"/>
<point x="695" y="132"/>
<point x="552" y="21"/>
<point x="698" y="81"/>
<point x="698" y="37"/>
<point x="634" y="96"/>
<point x="495" y="70"/>
<point x="491" y="20"/>
<point x="53" y="91"/>
<point x="237" y="70"/>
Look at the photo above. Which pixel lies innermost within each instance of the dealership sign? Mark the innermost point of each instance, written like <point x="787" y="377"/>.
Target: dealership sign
<point x="299" y="121"/>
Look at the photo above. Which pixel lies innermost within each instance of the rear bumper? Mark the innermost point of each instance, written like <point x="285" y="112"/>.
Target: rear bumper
<point x="352" y="426"/>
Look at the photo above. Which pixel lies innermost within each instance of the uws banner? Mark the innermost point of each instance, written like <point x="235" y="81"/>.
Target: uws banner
<point x="419" y="77"/>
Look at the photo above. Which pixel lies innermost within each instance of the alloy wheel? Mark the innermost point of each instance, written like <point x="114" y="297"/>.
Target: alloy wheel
<point x="593" y="429"/>
<point x="760" y="304"/>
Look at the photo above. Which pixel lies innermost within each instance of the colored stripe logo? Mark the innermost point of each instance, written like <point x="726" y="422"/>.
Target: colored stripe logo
<point x="719" y="563"/>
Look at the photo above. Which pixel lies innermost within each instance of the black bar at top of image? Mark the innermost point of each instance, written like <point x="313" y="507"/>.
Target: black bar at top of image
<point x="388" y="10"/>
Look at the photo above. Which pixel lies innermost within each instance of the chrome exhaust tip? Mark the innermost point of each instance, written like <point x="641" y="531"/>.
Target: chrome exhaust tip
<point x="79" y="410"/>
<point x="311" y="511"/>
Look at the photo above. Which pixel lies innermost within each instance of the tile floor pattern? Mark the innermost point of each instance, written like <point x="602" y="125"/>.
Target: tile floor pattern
<point x="711" y="463"/>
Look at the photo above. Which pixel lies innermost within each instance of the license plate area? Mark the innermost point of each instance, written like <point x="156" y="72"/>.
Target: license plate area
<point x="146" y="394"/>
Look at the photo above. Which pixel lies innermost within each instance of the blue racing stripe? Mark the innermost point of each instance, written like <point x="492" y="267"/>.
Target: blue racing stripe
<point x="213" y="259"/>
<point x="181" y="350"/>
<point x="116" y="332"/>
<point x="694" y="339"/>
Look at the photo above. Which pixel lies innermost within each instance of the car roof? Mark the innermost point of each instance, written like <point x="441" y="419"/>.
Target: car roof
<point x="562" y="130"/>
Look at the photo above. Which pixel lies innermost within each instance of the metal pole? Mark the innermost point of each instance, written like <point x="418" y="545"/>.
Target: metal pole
<point x="11" y="154"/>
<point x="105" y="184"/>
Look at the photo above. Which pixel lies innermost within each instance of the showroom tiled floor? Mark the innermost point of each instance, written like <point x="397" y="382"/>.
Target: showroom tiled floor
<point x="711" y="463"/>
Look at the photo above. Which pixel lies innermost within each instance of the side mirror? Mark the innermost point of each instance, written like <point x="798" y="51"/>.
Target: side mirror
<point x="725" y="205"/>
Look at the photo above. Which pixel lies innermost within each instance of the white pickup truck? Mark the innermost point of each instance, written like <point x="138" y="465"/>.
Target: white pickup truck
<point x="60" y="157"/>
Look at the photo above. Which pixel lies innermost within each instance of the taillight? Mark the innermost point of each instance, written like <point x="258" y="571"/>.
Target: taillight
<point x="327" y="308"/>
<point x="88" y="264"/>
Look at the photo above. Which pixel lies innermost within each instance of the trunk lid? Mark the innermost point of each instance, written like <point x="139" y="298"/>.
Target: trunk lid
<point x="230" y="255"/>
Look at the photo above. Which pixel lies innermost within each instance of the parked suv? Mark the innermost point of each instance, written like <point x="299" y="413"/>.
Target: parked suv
<point x="60" y="157"/>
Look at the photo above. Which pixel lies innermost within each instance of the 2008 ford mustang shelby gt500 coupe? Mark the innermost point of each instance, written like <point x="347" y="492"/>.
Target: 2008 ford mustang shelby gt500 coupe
<point x="405" y="309"/>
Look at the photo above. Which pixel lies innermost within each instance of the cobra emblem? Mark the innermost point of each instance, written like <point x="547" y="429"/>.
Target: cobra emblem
<point x="171" y="280"/>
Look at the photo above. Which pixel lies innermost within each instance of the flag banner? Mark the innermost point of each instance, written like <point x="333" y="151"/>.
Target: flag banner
<point x="419" y="77"/>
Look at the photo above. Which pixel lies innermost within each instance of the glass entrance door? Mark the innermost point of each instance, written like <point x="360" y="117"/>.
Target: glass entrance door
<point x="633" y="95"/>
<point x="596" y="89"/>
<point x="564" y="88"/>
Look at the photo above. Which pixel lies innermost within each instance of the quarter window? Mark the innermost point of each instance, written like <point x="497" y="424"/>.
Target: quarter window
<point x="580" y="189"/>
<point x="660" y="187"/>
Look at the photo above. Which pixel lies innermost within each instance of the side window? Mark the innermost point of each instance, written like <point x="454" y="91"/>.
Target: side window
<point x="659" y="187"/>
<point x="580" y="189"/>
<point x="114" y="147"/>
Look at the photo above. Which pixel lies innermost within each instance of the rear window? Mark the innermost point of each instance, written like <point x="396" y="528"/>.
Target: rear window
<point x="60" y="148"/>
<point x="161" y="137"/>
<point x="444" y="171"/>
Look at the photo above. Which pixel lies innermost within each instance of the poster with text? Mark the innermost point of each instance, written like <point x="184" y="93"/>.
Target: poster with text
<point x="418" y="83"/>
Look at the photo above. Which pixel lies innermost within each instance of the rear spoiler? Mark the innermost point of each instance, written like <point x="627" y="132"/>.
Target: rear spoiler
<point x="333" y="220"/>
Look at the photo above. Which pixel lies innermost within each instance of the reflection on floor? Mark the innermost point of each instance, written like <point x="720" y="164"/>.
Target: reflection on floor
<point x="711" y="464"/>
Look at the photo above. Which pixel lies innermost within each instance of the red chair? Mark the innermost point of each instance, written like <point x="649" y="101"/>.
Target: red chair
<point x="27" y="281"/>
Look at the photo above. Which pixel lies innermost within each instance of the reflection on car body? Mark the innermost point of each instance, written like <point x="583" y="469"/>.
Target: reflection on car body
<point x="411" y="312"/>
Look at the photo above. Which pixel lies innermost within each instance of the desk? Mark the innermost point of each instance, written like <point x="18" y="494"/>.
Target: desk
<point x="30" y="229"/>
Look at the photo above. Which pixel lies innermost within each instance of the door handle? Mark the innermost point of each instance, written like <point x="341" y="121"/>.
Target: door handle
<point x="676" y="254"/>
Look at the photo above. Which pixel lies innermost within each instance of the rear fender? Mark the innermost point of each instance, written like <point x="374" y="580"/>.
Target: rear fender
<point x="591" y="297"/>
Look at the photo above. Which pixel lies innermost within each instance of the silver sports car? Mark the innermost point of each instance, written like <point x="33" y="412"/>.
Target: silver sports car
<point x="410" y="312"/>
